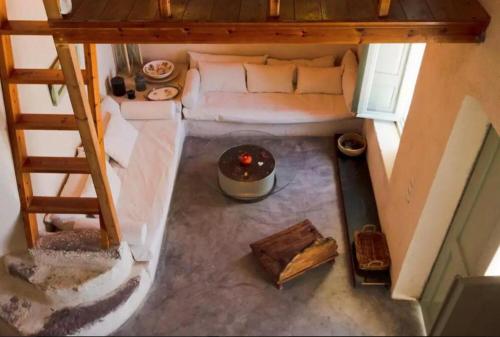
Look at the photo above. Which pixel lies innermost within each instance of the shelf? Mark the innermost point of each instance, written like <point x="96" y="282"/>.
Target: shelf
<point x="358" y="202"/>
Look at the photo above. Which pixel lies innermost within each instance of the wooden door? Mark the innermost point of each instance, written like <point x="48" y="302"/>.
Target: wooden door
<point x="474" y="234"/>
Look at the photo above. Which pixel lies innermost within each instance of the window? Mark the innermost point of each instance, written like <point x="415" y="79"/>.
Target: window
<point x="389" y="80"/>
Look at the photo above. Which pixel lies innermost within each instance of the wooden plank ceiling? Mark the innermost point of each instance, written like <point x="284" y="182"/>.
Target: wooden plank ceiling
<point x="247" y="21"/>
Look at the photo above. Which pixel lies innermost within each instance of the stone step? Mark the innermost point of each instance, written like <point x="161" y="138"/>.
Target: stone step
<point x="80" y="247"/>
<point x="72" y="277"/>
<point x="28" y="315"/>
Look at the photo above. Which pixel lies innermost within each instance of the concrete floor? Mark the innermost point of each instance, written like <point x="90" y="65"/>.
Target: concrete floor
<point x="209" y="284"/>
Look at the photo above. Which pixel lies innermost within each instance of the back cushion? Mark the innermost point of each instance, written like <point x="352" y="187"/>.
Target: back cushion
<point x="266" y="78"/>
<point x="314" y="80"/>
<point x="224" y="77"/>
<point x="350" y="77"/>
<point x="325" y="61"/>
<point x="196" y="58"/>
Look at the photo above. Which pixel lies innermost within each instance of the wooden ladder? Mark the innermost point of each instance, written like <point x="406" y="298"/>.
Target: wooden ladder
<point x="86" y="119"/>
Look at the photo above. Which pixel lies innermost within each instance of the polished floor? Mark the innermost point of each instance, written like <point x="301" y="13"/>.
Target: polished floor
<point x="209" y="284"/>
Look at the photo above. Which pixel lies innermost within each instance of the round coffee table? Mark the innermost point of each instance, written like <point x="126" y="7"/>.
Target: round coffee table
<point x="288" y="154"/>
<point x="247" y="172"/>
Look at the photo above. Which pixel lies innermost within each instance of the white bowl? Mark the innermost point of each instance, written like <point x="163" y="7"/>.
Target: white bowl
<point x="159" y="69"/>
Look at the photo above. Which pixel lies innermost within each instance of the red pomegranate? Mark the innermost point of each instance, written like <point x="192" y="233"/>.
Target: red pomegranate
<point x="246" y="159"/>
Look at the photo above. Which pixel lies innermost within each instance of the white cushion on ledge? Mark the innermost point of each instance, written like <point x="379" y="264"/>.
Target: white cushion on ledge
<point x="265" y="78"/>
<point x="195" y="58"/>
<point x="224" y="77"/>
<point x="192" y="88"/>
<point x="313" y="80"/>
<point x="138" y="110"/>
<point x="119" y="139"/>
<point x="268" y="108"/>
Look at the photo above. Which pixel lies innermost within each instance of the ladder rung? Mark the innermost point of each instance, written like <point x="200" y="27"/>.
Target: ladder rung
<point x="56" y="165"/>
<point x="58" y="205"/>
<point x="46" y="122"/>
<point x="39" y="76"/>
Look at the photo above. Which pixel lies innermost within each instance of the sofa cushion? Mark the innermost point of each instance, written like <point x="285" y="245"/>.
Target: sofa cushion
<point x="312" y="80"/>
<point x="192" y="88"/>
<point x="268" y="108"/>
<point x="225" y="77"/>
<point x="196" y="58"/>
<point x="119" y="139"/>
<point x="265" y="78"/>
<point x="325" y="61"/>
<point x="350" y="77"/>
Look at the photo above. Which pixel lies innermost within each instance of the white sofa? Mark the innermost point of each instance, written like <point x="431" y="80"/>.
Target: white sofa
<point x="266" y="108"/>
<point x="147" y="182"/>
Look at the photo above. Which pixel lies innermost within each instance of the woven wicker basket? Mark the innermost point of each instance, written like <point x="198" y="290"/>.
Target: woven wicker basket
<point x="372" y="251"/>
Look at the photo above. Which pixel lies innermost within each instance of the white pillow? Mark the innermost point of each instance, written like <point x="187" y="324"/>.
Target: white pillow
<point x="191" y="90"/>
<point x="325" y="61"/>
<point x="224" y="77"/>
<point x="109" y="105"/>
<point x="120" y="139"/>
<point x="265" y="78"/>
<point x="350" y="77"/>
<point x="196" y="58"/>
<point x="313" y="80"/>
<point x="114" y="183"/>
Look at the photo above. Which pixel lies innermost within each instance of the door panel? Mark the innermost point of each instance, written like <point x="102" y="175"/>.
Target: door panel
<point x="474" y="234"/>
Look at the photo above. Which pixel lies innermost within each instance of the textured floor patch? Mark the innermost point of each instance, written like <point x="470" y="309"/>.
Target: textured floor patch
<point x="208" y="283"/>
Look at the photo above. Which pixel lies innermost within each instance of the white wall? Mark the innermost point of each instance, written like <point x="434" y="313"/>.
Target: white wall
<point x="178" y="52"/>
<point x="36" y="52"/>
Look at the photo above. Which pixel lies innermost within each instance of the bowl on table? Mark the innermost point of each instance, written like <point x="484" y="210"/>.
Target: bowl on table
<point x="159" y="69"/>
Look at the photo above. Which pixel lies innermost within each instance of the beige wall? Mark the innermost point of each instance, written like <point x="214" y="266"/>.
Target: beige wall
<point x="178" y="52"/>
<point x="35" y="52"/>
<point x="450" y="73"/>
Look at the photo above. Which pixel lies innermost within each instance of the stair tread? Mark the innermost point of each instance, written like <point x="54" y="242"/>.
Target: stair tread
<point x="46" y="122"/>
<point x="39" y="76"/>
<point x="56" y="165"/>
<point x="63" y="205"/>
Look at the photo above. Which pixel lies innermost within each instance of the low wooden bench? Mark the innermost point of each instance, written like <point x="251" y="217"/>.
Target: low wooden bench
<point x="292" y="252"/>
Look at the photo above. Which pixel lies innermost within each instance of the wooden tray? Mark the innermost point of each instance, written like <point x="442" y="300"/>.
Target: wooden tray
<point x="290" y="253"/>
<point x="372" y="251"/>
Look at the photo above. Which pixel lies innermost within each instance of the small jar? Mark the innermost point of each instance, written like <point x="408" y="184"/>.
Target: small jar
<point x="131" y="94"/>
<point x="66" y="6"/>
<point x="140" y="83"/>
<point x="118" y="86"/>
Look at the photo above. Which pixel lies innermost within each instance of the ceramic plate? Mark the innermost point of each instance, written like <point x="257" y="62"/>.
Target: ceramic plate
<point x="163" y="94"/>
<point x="169" y="78"/>
<point x="159" y="70"/>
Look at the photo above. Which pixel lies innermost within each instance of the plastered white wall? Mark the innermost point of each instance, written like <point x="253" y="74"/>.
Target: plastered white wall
<point x="36" y="52"/>
<point x="178" y="52"/>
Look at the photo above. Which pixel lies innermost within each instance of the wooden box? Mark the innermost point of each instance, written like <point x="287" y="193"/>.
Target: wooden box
<point x="292" y="252"/>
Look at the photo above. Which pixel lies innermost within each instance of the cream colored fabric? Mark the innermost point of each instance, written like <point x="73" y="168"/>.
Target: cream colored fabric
<point x="268" y="79"/>
<point x="268" y="108"/>
<point x="222" y="77"/>
<point x="195" y="58"/>
<point x="146" y="110"/>
<point x="349" y="77"/>
<point x="149" y="179"/>
<point x="119" y="139"/>
<point x="325" y="61"/>
<point x="192" y="88"/>
<point x="312" y="80"/>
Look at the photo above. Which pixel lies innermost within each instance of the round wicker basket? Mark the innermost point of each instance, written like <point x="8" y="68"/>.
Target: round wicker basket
<point x="352" y="144"/>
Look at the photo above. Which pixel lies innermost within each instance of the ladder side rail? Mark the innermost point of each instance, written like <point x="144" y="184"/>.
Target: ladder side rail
<point x="16" y="137"/>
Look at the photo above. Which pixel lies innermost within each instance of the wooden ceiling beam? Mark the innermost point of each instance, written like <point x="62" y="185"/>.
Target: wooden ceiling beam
<point x="253" y="32"/>
<point x="165" y="8"/>
<point x="384" y="7"/>
<point x="274" y="8"/>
